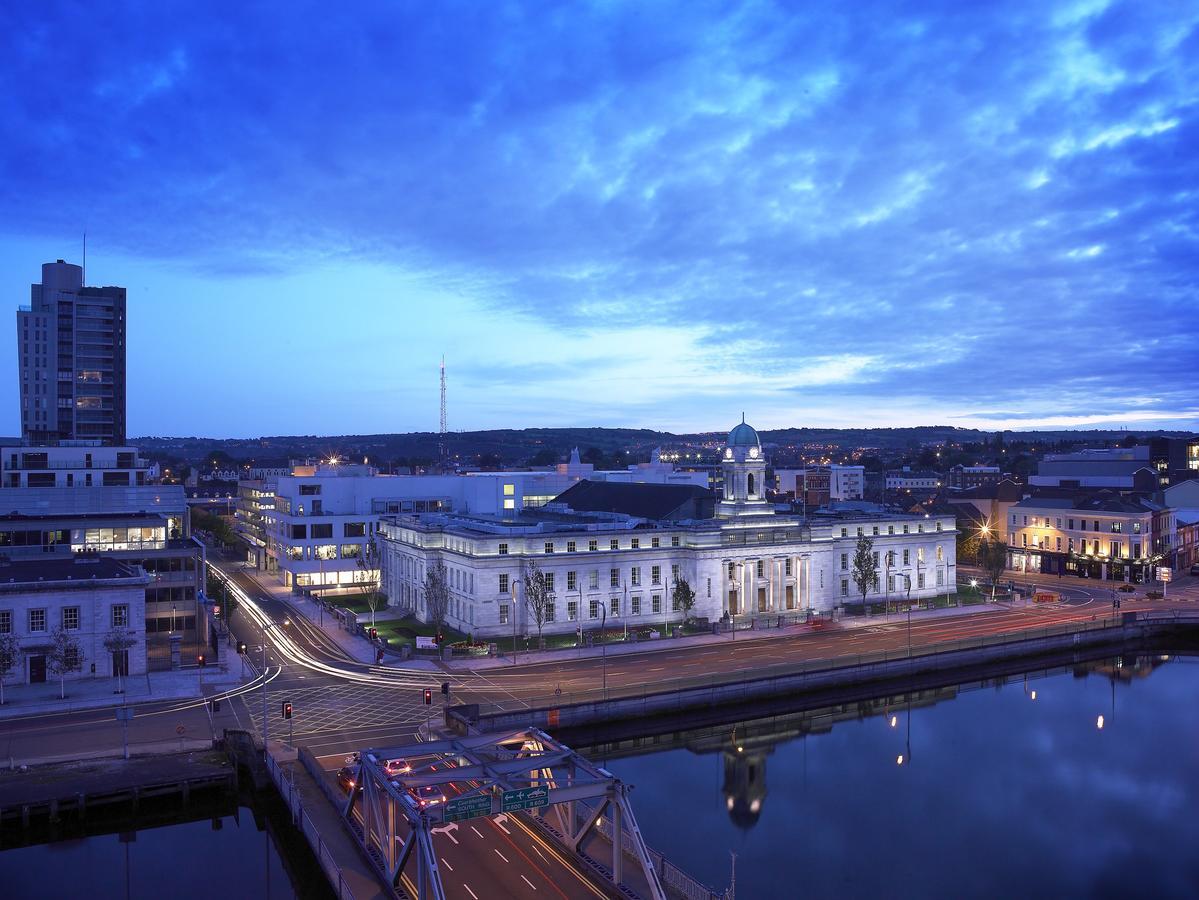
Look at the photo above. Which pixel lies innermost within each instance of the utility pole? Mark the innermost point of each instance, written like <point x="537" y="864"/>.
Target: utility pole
<point x="441" y="448"/>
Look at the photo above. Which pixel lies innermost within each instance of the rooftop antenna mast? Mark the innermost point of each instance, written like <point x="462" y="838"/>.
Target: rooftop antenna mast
<point x="441" y="453"/>
<point x="83" y="273"/>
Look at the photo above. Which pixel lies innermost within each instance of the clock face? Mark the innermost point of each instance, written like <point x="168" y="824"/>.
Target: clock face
<point x="753" y="452"/>
<point x="728" y="454"/>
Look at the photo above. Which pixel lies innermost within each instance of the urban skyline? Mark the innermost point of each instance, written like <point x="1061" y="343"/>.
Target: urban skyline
<point x="628" y="216"/>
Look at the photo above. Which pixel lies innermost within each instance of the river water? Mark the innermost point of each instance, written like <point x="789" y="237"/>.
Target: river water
<point x="1081" y="783"/>
<point x="241" y="853"/>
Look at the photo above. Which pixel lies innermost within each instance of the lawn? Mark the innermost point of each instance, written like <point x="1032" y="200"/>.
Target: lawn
<point x="354" y="602"/>
<point x="406" y="631"/>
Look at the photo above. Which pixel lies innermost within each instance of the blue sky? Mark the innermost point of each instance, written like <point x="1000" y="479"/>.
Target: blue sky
<point x="642" y="214"/>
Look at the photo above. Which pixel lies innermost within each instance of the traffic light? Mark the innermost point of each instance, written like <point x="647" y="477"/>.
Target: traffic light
<point x="428" y="696"/>
<point x="374" y="634"/>
<point x="379" y="656"/>
<point x="202" y="662"/>
<point x="241" y="647"/>
<point x="445" y="688"/>
<point x="287" y="709"/>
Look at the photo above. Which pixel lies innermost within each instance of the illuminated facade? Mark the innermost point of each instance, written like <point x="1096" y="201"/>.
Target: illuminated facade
<point x="619" y="562"/>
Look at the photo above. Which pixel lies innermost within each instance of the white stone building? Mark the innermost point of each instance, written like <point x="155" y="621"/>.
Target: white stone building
<point x="89" y="596"/>
<point x="614" y="551"/>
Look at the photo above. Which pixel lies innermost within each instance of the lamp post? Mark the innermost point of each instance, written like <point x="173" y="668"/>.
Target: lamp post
<point x="604" y="645"/>
<point x="908" y="580"/>
<point x="736" y="600"/>
<point x="515" y="582"/>
<point x="624" y="614"/>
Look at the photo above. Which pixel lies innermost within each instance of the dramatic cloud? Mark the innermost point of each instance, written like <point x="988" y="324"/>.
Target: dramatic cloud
<point x="620" y="213"/>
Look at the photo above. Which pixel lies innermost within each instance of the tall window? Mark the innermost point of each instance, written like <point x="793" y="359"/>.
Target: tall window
<point x="37" y="620"/>
<point x="503" y="582"/>
<point x="70" y="618"/>
<point x="549" y="610"/>
<point x="656" y="602"/>
<point x="655" y="575"/>
<point x="5" y="621"/>
<point x="593" y="580"/>
<point x="614" y="578"/>
<point x="572" y="581"/>
<point x="572" y="609"/>
<point x="635" y="575"/>
<point x="593" y="609"/>
<point x="635" y="605"/>
<point x="503" y="613"/>
<point x="549" y="581"/>
<point x="761" y="568"/>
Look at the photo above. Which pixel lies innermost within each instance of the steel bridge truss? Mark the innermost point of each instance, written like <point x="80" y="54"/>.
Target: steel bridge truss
<point x="584" y="806"/>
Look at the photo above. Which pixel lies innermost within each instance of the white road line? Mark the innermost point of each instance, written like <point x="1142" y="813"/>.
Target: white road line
<point x="529" y="883"/>
<point x="469" y="891"/>
<point x="501" y="856"/>
<point x="476" y="831"/>
<point x="538" y="852"/>
<point x="499" y="821"/>
<point x="446" y="864"/>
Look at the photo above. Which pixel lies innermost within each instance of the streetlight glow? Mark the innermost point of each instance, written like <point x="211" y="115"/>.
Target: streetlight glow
<point x="899" y="760"/>
<point x="1099" y="723"/>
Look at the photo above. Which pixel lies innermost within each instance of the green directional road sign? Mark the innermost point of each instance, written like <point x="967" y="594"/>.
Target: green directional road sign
<point x="525" y="798"/>
<point x="468" y="808"/>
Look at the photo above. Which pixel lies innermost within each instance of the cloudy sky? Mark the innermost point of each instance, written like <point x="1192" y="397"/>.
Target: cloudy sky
<point x="644" y="214"/>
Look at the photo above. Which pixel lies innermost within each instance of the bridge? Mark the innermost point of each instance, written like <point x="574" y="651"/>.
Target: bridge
<point x="570" y="820"/>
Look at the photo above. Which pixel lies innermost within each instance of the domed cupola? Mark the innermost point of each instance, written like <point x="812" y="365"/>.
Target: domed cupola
<point x="744" y="473"/>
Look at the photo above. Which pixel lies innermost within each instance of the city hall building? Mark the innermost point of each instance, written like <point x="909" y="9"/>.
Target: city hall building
<point x="613" y="552"/>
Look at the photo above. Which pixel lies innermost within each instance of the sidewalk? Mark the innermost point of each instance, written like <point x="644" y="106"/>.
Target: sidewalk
<point x="480" y="664"/>
<point x="98" y="693"/>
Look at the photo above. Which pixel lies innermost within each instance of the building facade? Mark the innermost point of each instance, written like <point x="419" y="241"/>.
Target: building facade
<point x="73" y="466"/>
<point x="967" y="477"/>
<point x="1100" y="535"/>
<point x="71" y="352"/>
<point x="89" y="597"/>
<point x="620" y="566"/>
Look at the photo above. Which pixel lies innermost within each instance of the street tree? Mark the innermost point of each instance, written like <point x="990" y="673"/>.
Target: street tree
<point x="865" y="569"/>
<point x="437" y="595"/>
<point x="683" y="598"/>
<point x="65" y="656"/>
<point x="367" y="577"/>
<point x="537" y="596"/>
<point x="10" y="652"/>
<point x="993" y="557"/>
<point x="116" y="642"/>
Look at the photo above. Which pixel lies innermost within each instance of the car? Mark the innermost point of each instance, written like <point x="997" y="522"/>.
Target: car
<point x="427" y="795"/>
<point x="346" y="779"/>
<point x="394" y="767"/>
<point x="1126" y="588"/>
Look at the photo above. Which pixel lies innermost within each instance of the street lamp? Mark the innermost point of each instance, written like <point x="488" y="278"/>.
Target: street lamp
<point x="515" y="582"/>
<point x="604" y="645"/>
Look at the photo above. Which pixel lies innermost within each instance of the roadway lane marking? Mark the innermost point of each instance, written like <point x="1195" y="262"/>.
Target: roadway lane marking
<point x="499" y="821"/>
<point x="448" y="831"/>
<point x="469" y="891"/>
<point x="529" y="883"/>
<point x="501" y="856"/>
<point x="446" y="864"/>
<point x="476" y="831"/>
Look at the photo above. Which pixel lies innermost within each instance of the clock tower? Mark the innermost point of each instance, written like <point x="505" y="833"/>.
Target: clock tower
<point x="744" y="470"/>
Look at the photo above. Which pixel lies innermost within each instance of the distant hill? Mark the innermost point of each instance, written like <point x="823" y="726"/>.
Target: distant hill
<point x="509" y="446"/>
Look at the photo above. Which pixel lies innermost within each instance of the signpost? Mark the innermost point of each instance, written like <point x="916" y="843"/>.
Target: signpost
<point x="425" y="643"/>
<point x="524" y="798"/>
<point x="124" y="714"/>
<point x="468" y="808"/>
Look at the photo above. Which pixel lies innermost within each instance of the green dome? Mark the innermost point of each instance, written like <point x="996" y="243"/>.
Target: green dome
<point x="744" y="436"/>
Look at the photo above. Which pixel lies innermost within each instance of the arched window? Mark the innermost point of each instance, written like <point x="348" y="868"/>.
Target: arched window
<point x="751" y="484"/>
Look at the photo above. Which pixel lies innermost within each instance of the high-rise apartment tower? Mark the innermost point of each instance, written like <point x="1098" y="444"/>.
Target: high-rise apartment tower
<point x="71" y="352"/>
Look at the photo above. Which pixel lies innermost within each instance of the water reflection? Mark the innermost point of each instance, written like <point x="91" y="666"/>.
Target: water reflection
<point x="1056" y="783"/>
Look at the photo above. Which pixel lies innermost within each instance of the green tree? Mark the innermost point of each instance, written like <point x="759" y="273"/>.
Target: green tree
<point x="537" y="596"/>
<point x="683" y="598"/>
<point x="10" y="652"/>
<point x="437" y="596"/>
<point x="865" y="569"/>
<point x="118" y="641"/>
<point x="65" y="656"/>
<point x="992" y="555"/>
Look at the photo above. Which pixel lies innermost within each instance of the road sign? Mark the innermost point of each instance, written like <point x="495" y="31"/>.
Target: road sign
<point x="1164" y="573"/>
<point x="525" y="798"/>
<point x="124" y="713"/>
<point x="468" y="808"/>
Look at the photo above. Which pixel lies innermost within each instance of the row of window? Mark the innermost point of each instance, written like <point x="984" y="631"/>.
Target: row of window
<point x="324" y="530"/>
<point x="37" y="621"/>
<point x="593" y="578"/>
<point x="1043" y="522"/>
<point x="890" y="559"/>
<point x="593" y="545"/>
<point x="874" y="529"/>
<point x="897" y="583"/>
<point x="1116" y="548"/>
<point x="636" y="608"/>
